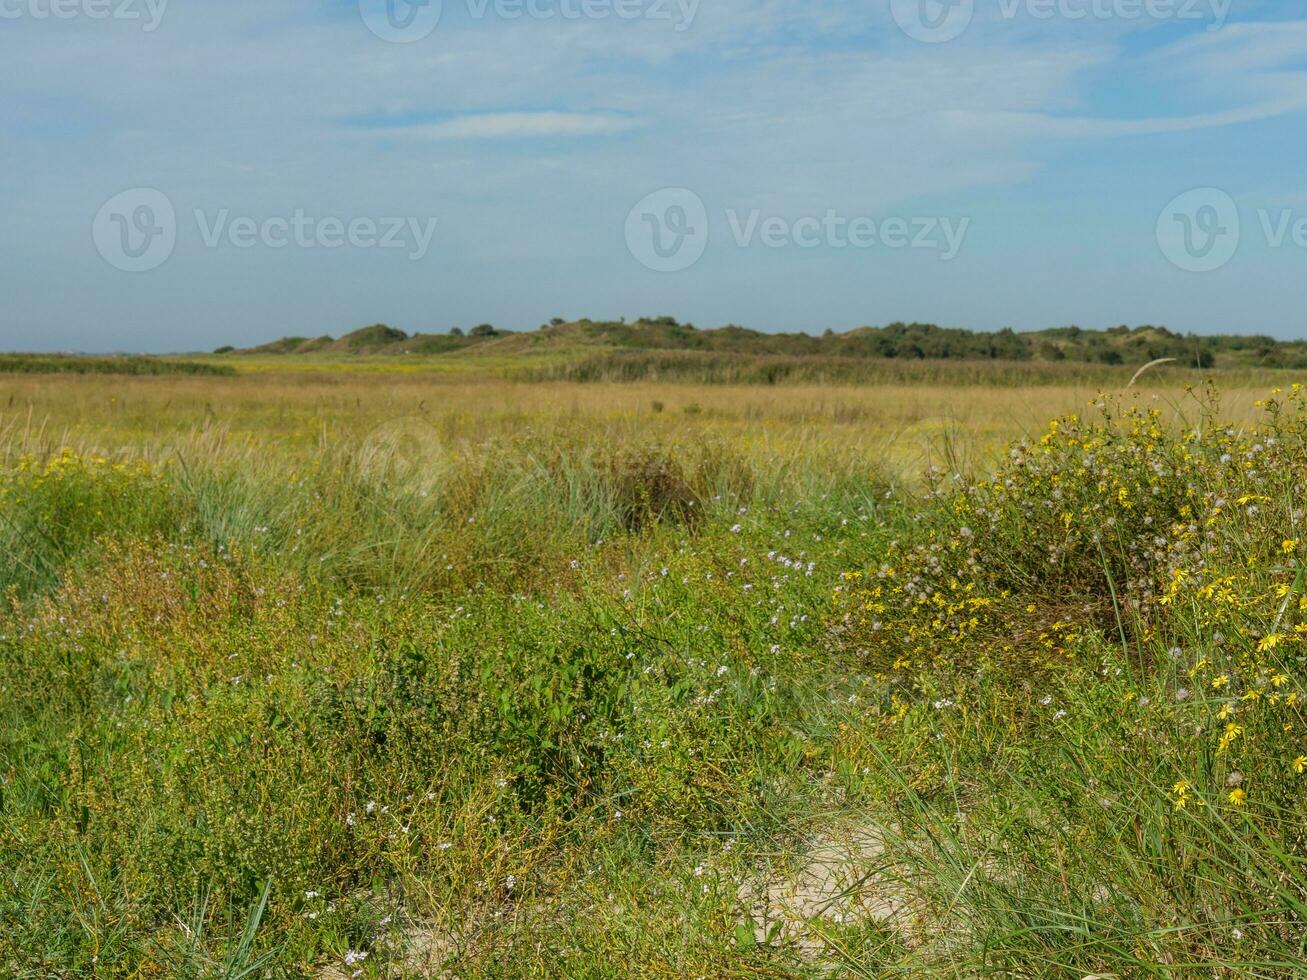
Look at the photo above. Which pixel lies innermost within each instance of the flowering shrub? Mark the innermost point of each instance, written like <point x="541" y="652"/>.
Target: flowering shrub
<point x="1125" y="599"/>
<point x="54" y="509"/>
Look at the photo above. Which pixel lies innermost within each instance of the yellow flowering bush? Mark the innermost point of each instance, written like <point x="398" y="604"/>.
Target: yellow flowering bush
<point x="55" y="508"/>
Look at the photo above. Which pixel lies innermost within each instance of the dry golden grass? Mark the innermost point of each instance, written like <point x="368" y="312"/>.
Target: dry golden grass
<point x="901" y="428"/>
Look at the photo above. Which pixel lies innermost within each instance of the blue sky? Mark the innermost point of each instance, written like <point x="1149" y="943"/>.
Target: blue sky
<point x="1051" y="136"/>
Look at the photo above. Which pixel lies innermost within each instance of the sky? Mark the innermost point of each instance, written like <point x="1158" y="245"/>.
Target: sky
<point x="182" y="174"/>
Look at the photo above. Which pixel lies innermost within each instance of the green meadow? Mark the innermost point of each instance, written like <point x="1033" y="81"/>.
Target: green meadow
<point x="671" y="665"/>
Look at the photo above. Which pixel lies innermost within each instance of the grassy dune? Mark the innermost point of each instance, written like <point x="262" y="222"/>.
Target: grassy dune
<point x="338" y="673"/>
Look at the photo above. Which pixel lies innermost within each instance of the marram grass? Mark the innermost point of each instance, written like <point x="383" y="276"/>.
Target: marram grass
<point x="568" y="692"/>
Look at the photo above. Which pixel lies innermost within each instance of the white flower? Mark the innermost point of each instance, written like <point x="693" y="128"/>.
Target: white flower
<point x="353" y="956"/>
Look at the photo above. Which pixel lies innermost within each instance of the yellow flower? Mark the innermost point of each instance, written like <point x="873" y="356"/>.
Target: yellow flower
<point x="1269" y="642"/>
<point x="1220" y="682"/>
<point x="1232" y="731"/>
<point x="1181" y="790"/>
<point x="1288" y="545"/>
<point x="1237" y="797"/>
<point x="1300" y="764"/>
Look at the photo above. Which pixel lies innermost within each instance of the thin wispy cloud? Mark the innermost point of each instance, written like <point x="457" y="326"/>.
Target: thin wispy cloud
<point x="519" y="125"/>
<point x="531" y="139"/>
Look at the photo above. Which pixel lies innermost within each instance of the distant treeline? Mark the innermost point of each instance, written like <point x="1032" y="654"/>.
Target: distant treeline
<point x="1121" y="345"/>
<point x="76" y="364"/>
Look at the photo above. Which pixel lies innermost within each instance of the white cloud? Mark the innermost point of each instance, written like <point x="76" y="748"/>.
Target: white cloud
<point x="520" y="125"/>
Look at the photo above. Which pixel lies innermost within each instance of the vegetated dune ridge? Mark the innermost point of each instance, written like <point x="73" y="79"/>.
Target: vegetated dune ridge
<point x="915" y="341"/>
